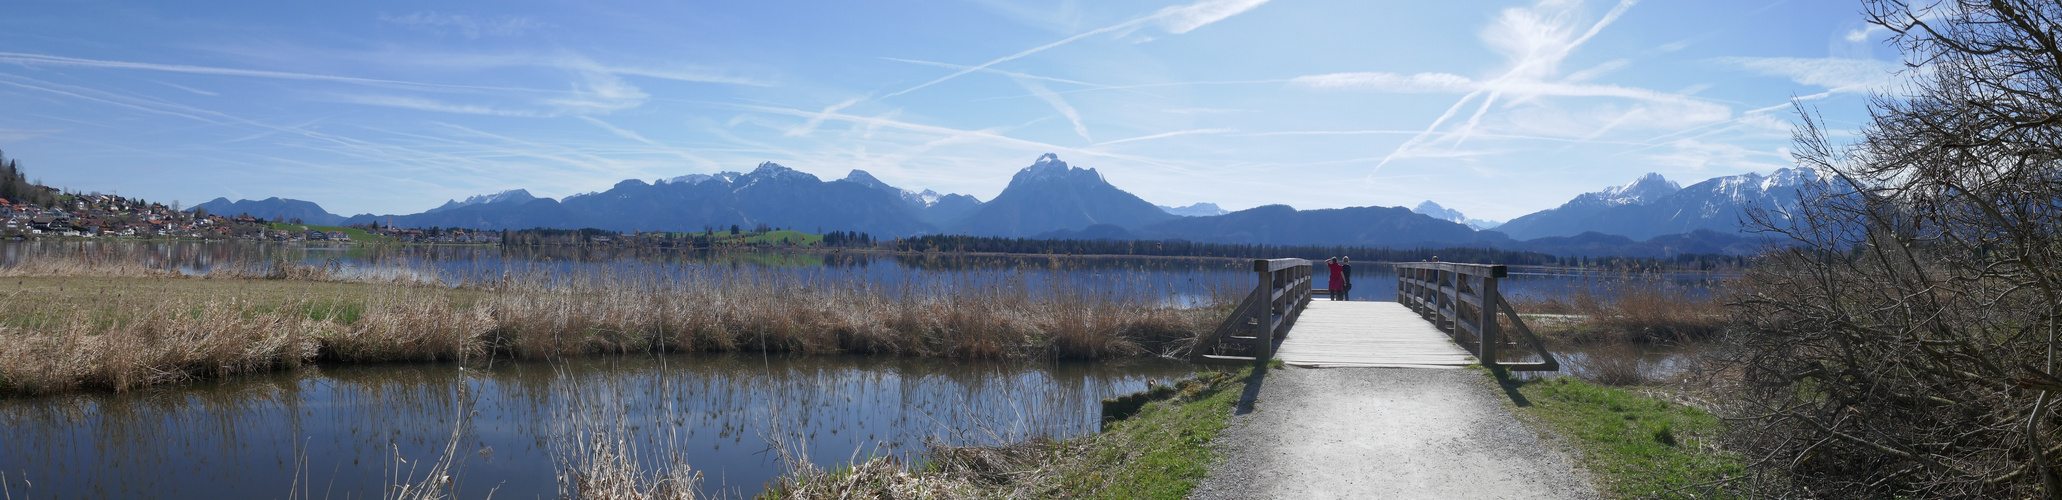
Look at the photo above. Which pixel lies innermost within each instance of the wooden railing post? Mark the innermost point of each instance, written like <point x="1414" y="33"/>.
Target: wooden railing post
<point x="1263" y="319"/>
<point x="1486" y="314"/>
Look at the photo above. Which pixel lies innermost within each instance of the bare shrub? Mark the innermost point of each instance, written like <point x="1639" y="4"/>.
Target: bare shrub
<point x="1906" y="346"/>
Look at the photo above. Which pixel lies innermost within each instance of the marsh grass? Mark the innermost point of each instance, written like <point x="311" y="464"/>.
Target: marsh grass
<point x="597" y="453"/>
<point x="1626" y="308"/>
<point x="72" y="323"/>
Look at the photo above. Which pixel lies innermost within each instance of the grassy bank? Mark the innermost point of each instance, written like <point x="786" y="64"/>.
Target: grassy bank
<point x="1636" y="442"/>
<point x="1160" y="452"/>
<point x="67" y="325"/>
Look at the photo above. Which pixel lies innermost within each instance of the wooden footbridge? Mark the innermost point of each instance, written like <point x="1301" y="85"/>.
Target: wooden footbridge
<point x="1446" y="315"/>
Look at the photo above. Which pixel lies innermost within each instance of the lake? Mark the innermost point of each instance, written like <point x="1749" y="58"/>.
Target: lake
<point x="349" y="431"/>
<point x="338" y="430"/>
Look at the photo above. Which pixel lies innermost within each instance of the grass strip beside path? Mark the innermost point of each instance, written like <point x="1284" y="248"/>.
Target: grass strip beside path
<point x="1637" y="445"/>
<point x="1161" y="452"/>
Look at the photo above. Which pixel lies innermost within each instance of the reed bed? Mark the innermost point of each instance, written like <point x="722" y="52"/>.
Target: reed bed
<point x="81" y="323"/>
<point x="1626" y="308"/>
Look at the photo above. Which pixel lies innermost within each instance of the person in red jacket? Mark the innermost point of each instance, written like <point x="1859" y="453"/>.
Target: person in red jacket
<point x="1337" y="282"/>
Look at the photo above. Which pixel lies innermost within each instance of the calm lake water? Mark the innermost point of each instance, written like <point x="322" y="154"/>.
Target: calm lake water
<point x="339" y="429"/>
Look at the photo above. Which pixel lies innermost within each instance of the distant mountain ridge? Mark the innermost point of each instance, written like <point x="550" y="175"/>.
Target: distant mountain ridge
<point x="1052" y="199"/>
<point x="1282" y="225"/>
<point x="1652" y="206"/>
<point x="1196" y="210"/>
<point x="1050" y="195"/>
<point x="272" y="208"/>
<point x="517" y="196"/>
<point x="1447" y="214"/>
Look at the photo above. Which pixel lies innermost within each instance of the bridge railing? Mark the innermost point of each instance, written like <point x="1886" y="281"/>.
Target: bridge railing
<point x="1283" y="288"/>
<point x="1463" y="300"/>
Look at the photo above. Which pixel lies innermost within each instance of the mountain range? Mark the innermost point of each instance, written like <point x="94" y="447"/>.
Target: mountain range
<point x="1448" y="214"/>
<point x="1651" y="216"/>
<point x="1652" y="206"/>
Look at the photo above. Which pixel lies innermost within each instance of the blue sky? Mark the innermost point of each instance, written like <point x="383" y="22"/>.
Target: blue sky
<point x="1496" y="108"/>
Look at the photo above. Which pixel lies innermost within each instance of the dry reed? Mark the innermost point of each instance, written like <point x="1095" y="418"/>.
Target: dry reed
<point x="136" y="329"/>
<point x="595" y="451"/>
<point x="1627" y="308"/>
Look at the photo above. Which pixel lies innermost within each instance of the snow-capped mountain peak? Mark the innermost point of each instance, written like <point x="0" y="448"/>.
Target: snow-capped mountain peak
<point x="1435" y="211"/>
<point x="1050" y="167"/>
<point x="774" y="172"/>
<point x="1640" y="191"/>
<point x="509" y="196"/>
<point x="692" y="179"/>
<point x="1438" y="212"/>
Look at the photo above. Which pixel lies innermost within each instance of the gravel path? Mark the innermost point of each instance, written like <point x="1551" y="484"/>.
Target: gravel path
<point x="1385" y="433"/>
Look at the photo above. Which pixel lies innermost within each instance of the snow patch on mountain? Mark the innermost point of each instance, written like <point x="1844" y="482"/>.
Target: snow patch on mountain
<point x="1196" y="210"/>
<point x="1433" y="210"/>
<point x="1049" y="167"/>
<point x="509" y="196"/>
<point x="1640" y="191"/>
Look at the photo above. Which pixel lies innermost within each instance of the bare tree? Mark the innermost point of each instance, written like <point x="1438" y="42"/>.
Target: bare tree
<point x="1906" y="345"/>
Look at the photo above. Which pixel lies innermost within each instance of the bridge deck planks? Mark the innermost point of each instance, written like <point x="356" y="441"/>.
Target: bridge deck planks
<point x="1367" y="334"/>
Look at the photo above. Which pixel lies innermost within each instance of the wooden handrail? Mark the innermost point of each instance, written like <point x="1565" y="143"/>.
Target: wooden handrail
<point x="1463" y="300"/>
<point x="1277" y="299"/>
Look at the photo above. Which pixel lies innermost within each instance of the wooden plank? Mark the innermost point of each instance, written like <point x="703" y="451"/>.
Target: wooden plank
<point x="1368" y="334"/>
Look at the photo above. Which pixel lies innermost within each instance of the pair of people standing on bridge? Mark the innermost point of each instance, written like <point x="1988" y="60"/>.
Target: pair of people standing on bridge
<point x="1341" y="281"/>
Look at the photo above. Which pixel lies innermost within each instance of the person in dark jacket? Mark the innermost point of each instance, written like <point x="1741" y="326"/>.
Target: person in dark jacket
<point x="1346" y="270"/>
<point x="1337" y="282"/>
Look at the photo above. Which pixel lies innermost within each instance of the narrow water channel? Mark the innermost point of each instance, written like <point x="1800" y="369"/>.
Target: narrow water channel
<point x="349" y="431"/>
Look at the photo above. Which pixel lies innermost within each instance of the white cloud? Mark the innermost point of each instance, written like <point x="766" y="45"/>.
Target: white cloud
<point x="1389" y="82"/>
<point x="1058" y="104"/>
<point x="1698" y="155"/>
<point x="1534" y="41"/>
<point x="467" y="26"/>
<point x="1185" y="18"/>
<point x="1165" y="135"/>
<point x="1204" y="111"/>
<point x="1176" y="19"/>
<point x="418" y="103"/>
<point x="1599" y="70"/>
<point x="1833" y="73"/>
<point x="19" y="134"/>
<point x="817" y="120"/>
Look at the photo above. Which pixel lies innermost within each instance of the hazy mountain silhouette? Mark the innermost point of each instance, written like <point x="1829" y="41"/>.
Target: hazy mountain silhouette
<point x="1050" y="196"/>
<point x="272" y="208"/>
<point x="1284" y="225"/>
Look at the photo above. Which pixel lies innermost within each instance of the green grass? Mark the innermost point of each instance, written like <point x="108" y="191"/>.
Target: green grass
<point x="1638" y="446"/>
<point x="355" y="233"/>
<point x="1162" y="451"/>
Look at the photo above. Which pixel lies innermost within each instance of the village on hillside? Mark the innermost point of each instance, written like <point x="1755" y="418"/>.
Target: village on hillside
<point x="96" y="215"/>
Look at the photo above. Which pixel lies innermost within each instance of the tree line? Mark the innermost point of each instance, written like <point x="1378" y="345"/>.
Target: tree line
<point x="1182" y="248"/>
<point x="15" y="186"/>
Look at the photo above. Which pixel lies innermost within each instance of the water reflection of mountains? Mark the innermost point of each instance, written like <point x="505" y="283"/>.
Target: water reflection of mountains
<point x="343" y="426"/>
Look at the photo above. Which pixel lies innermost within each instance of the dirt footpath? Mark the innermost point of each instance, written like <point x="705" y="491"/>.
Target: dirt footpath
<point x="1385" y="433"/>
